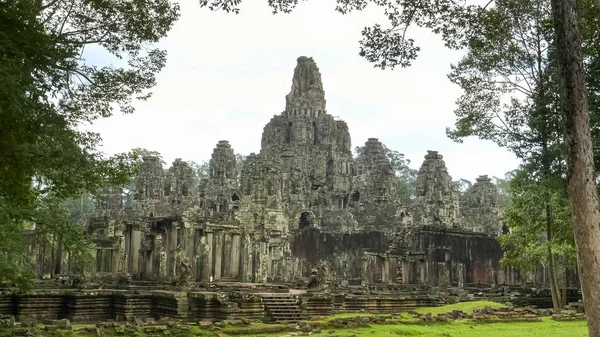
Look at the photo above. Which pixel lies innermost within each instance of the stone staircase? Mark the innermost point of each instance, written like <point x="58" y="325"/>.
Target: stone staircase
<point x="282" y="308"/>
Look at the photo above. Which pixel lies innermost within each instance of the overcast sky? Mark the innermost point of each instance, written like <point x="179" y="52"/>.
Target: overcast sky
<point x="227" y="75"/>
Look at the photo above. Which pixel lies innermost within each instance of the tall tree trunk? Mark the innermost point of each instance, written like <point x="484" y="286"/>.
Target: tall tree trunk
<point x="549" y="223"/>
<point x="583" y="195"/>
<point x="551" y="262"/>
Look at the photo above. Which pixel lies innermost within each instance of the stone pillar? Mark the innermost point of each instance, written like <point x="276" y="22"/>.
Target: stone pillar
<point x="442" y="275"/>
<point x="247" y="263"/>
<point x="226" y="263"/>
<point x="385" y="273"/>
<point x="218" y="255"/>
<point x="262" y="250"/>
<point x="365" y="270"/>
<point x="405" y="272"/>
<point x="117" y="256"/>
<point x="423" y="270"/>
<point x="461" y="275"/>
<point x="134" y="251"/>
<point x="234" y="253"/>
<point x="393" y="269"/>
<point x="171" y="249"/>
<point x="160" y="263"/>
<point x="207" y="256"/>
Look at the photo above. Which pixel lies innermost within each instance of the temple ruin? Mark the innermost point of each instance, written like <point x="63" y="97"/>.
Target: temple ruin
<point x="302" y="213"/>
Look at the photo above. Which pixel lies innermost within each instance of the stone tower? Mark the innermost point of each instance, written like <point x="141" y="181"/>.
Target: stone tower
<point x="373" y="198"/>
<point x="307" y="96"/>
<point x="375" y="179"/>
<point x="309" y="148"/>
<point x="149" y="188"/>
<point x="436" y="201"/>
<point x="220" y="192"/>
<point x="479" y="207"/>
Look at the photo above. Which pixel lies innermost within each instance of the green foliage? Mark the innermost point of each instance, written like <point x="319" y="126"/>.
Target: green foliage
<point x="49" y="92"/>
<point x="526" y="244"/>
<point x="390" y="45"/>
<point x="462" y="186"/>
<point x="240" y="159"/>
<point x="503" y="187"/>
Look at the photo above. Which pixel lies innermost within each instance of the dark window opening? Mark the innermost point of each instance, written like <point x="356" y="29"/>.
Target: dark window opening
<point x="288" y="135"/>
<point x="345" y="202"/>
<point x="355" y="196"/>
<point x="235" y="197"/>
<point x="304" y="220"/>
<point x="184" y="190"/>
<point x="314" y="126"/>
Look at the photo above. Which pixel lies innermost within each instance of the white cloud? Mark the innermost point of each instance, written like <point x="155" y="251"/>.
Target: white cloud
<point x="227" y="75"/>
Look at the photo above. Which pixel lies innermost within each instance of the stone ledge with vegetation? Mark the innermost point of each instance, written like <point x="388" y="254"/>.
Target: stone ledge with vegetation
<point x="479" y="318"/>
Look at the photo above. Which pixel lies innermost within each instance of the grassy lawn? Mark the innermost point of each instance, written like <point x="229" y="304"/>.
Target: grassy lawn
<point x="546" y="328"/>
<point x="459" y="328"/>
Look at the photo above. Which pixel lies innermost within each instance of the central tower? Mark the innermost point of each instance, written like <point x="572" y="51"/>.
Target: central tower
<point x="307" y="97"/>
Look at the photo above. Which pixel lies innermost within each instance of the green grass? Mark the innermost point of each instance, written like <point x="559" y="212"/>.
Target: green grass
<point x="460" y="328"/>
<point x="464" y="306"/>
<point x="546" y="328"/>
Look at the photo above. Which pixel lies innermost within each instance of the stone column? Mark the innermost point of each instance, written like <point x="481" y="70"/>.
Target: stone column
<point x="207" y="258"/>
<point x="405" y="272"/>
<point x="247" y="263"/>
<point x="226" y="263"/>
<point x="264" y="262"/>
<point x="393" y="269"/>
<point x="365" y="270"/>
<point x="423" y="270"/>
<point x="171" y="249"/>
<point x="134" y="251"/>
<point x="117" y="256"/>
<point x="234" y="268"/>
<point x="160" y="264"/>
<point x="218" y="255"/>
<point x="461" y="275"/>
<point x="385" y="272"/>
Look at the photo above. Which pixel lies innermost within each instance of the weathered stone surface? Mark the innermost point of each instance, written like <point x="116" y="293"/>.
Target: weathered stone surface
<point x="479" y="207"/>
<point x="436" y="201"/>
<point x="300" y="203"/>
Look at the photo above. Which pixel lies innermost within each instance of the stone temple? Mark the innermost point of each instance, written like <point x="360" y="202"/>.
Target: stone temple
<point x="302" y="214"/>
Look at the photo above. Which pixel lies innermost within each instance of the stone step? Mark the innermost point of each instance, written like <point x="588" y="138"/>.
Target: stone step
<point x="285" y="310"/>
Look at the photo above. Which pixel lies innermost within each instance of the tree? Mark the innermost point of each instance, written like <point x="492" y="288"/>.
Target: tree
<point x="509" y="57"/>
<point x="240" y="159"/>
<point x="457" y="23"/>
<point x="526" y="219"/>
<point x="49" y="92"/>
<point x="582" y="188"/>
<point x="503" y="186"/>
<point x="462" y="186"/>
<point x="80" y="206"/>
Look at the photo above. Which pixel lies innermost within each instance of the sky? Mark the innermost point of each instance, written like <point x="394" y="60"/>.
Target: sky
<point x="227" y="75"/>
